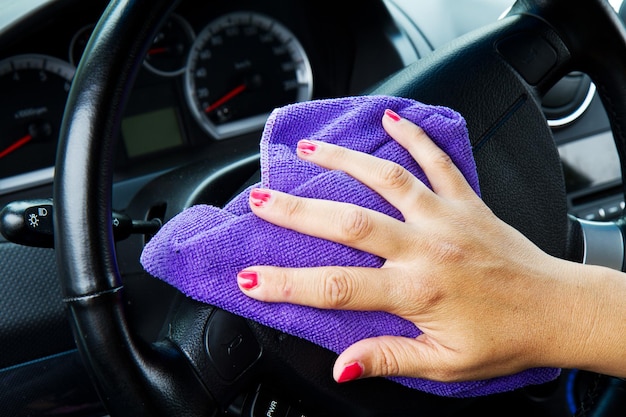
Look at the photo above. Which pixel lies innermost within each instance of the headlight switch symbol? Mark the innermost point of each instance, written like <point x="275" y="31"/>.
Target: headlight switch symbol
<point x="33" y="220"/>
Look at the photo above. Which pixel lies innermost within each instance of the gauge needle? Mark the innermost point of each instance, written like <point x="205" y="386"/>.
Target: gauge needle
<point x="228" y="96"/>
<point x="15" y="145"/>
<point x="155" y="51"/>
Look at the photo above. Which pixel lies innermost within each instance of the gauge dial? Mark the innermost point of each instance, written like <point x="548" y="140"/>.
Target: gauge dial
<point x="79" y="43"/>
<point x="34" y="91"/>
<point x="242" y="66"/>
<point x="169" y="51"/>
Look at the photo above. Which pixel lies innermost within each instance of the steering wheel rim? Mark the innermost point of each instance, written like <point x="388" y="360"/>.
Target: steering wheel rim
<point x="498" y="91"/>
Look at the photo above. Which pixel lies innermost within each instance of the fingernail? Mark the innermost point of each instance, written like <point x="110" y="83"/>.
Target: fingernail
<point x="351" y="372"/>
<point x="392" y="115"/>
<point x="259" y="197"/>
<point x="247" y="279"/>
<point x="306" y="147"/>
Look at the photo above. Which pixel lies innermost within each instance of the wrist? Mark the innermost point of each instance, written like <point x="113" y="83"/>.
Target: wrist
<point x="590" y="319"/>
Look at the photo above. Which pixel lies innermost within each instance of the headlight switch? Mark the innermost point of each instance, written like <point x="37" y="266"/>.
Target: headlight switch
<point x="30" y="223"/>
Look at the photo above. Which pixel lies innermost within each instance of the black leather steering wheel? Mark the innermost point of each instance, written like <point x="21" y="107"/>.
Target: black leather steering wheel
<point x="495" y="77"/>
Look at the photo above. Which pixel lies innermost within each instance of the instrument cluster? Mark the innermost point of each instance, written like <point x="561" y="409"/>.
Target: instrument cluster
<point x="199" y="83"/>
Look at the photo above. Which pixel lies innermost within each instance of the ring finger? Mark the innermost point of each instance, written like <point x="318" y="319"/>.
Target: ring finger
<point x="336" y="288"/>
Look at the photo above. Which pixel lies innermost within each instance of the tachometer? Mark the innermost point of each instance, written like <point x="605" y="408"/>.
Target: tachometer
<point x="241" y="66"/>
<point x="34" y="91"/>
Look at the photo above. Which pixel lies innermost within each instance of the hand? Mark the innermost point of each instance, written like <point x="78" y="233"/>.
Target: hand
<point x="478" y="289"/>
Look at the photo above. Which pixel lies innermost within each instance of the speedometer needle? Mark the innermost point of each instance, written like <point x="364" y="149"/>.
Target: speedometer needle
<point x="226" y="97"/>
<point x="16" y="145"/>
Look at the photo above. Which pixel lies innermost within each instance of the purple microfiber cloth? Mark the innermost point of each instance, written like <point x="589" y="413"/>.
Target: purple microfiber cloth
<point x="201" y="250"/>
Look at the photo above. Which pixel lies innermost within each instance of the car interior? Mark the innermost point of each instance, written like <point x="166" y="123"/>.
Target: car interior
<point x="116" y="116"/>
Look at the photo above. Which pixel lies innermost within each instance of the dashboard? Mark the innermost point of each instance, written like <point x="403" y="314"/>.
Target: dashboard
<point x="208" y="82"/>
<point x="213" y="74"/>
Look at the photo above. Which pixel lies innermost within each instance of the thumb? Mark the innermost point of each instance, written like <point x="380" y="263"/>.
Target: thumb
<point x="389" y="356"/>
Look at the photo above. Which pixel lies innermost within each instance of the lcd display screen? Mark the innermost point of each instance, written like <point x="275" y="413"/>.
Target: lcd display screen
<point x="151" y="132"/>
<point x="590" y="162"/>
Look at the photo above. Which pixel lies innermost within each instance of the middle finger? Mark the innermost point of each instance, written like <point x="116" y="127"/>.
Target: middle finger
<point x="345" y="223"/>
<point x="389" y="179"/>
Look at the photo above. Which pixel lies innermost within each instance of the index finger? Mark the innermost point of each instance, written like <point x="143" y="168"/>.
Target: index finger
<point x="444" y="176"/>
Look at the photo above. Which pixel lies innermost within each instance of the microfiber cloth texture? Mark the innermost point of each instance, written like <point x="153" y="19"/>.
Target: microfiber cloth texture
<point x="201" y="250"/>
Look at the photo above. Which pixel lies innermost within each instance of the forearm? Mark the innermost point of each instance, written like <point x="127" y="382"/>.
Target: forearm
<point x="595" y="332"/>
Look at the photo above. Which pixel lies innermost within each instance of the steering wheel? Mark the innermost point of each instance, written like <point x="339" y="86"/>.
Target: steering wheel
<point x="494" y="77"/>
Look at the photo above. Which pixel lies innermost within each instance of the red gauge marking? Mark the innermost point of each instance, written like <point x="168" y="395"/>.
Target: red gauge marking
<point x="16" y="145"/>
<point x="228" y="96"/>
<point x="154" y="51"/>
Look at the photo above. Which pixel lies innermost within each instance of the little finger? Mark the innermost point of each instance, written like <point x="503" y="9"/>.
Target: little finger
<point x="389" y="356"/>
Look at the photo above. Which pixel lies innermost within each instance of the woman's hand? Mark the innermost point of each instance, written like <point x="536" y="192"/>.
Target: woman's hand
<point x="483" y="295"/>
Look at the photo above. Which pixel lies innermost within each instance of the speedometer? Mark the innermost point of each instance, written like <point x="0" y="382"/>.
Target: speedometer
<point x="242" y="66"/>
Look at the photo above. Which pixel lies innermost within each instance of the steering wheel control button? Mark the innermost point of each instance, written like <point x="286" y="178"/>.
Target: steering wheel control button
<point x="267" y="404"/>
<point x="231" y="345"/>
<point x="530" y="55"/>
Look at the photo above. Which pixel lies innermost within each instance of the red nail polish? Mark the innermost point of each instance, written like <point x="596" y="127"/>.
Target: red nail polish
<point x="392" y="115"/>
<point x="259" y="197"/>
<point x="306" y="147"/>
<point x="351" y="372"/>
<point x="247" y="279"/>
